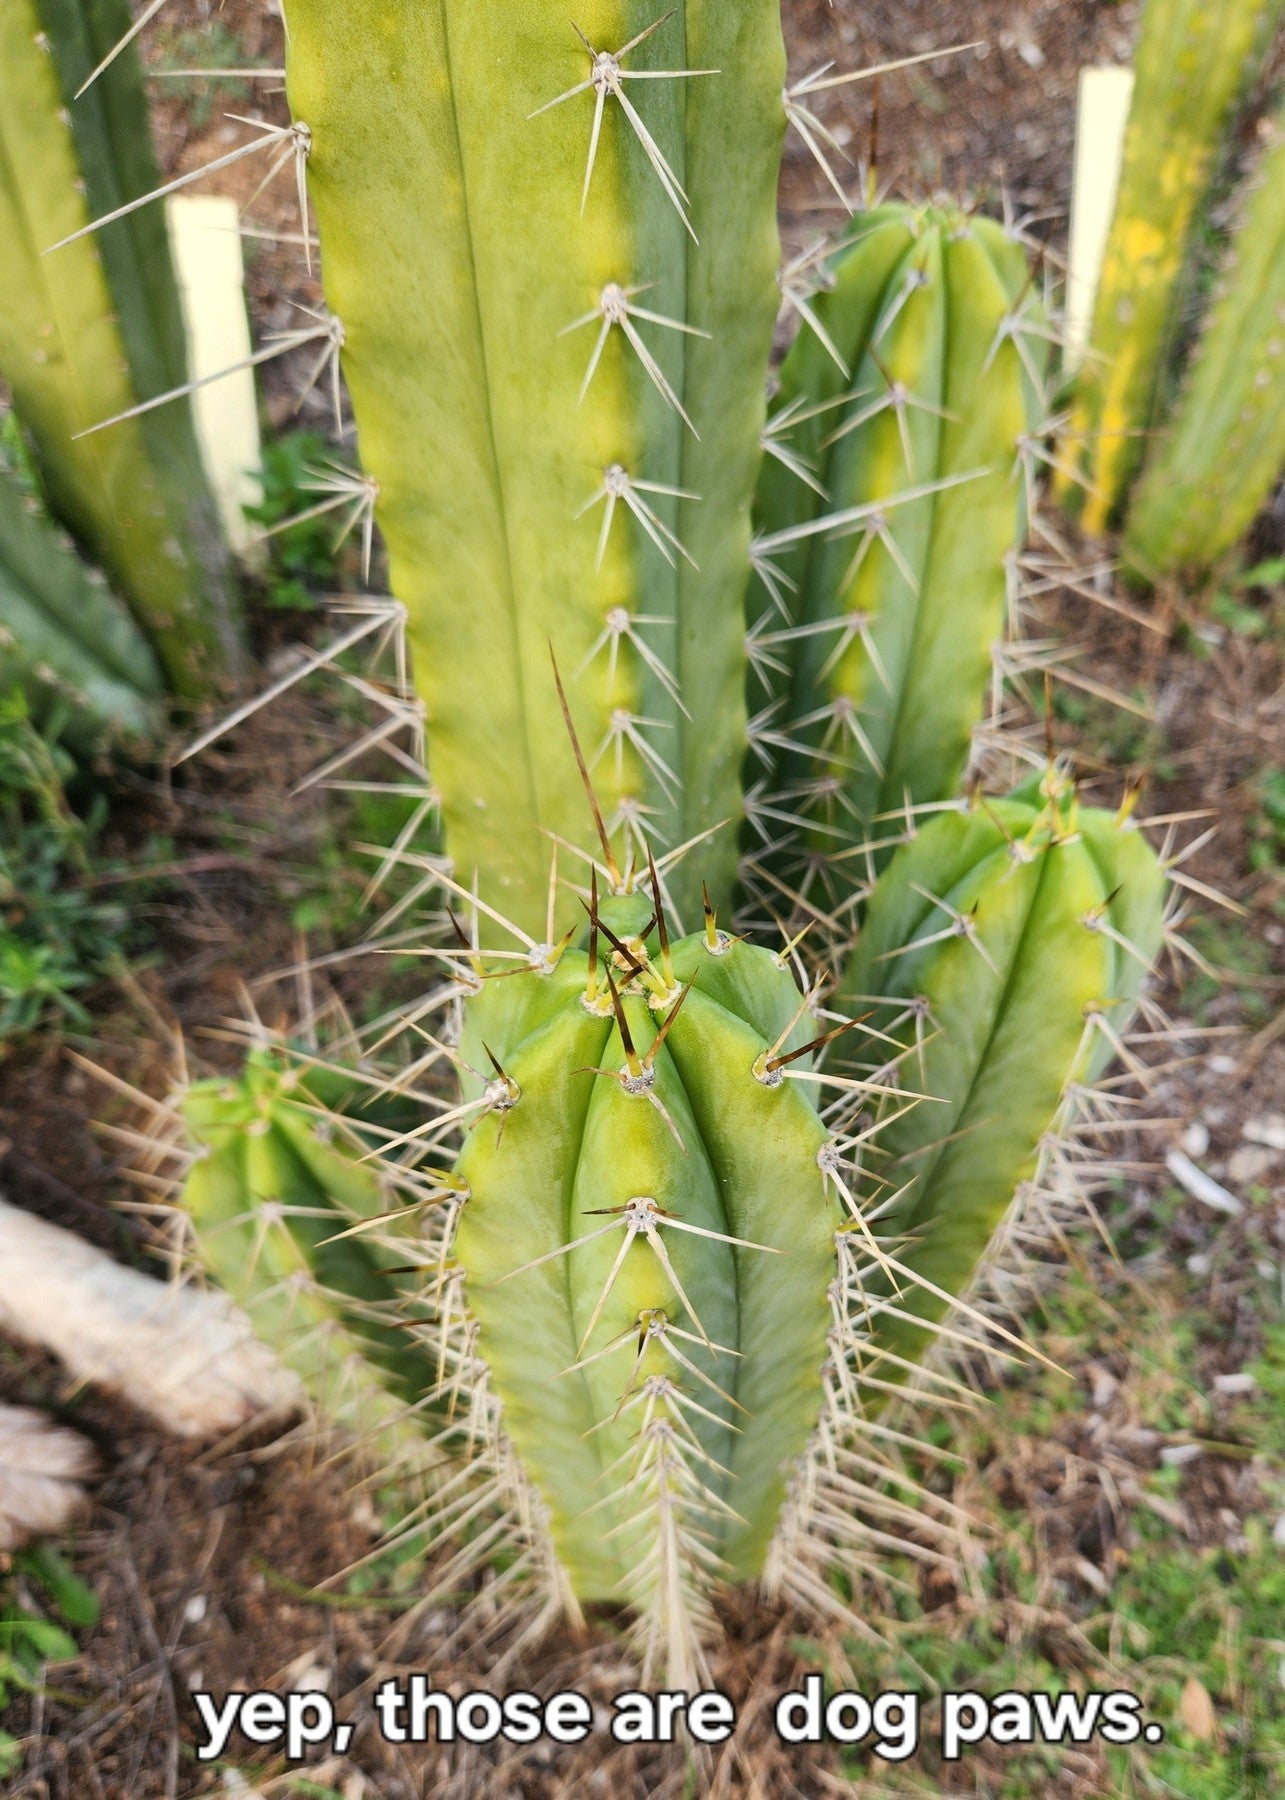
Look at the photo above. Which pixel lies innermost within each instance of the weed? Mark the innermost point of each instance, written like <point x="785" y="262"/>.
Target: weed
<point x="304" y="557"/>
<point x="56" y="936"/>
<point x="40" y="1597"/>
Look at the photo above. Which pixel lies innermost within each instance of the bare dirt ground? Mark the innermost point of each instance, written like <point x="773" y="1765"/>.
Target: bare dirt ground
<point x="208" y="1565"/>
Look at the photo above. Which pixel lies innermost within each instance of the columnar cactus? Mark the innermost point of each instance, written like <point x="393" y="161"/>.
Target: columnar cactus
<point x="1225" y="445"/>
<point x="95" y="328"/>
<point x="1192" y="63"/>
<point x="886" y="530"/>
<point x="64" y="637"/>
<point x="1004" y="950"/>
<point x="637" y="1250"/>
<point x="557" y="389"/>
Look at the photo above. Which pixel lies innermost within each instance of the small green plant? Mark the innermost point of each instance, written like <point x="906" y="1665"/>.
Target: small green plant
<point x="1267" y="823"/>
<point x="56" y="935"/>
<point x="212" y="47"/>
<point x="301" y="552"/>
<point x="42" y="1601"/>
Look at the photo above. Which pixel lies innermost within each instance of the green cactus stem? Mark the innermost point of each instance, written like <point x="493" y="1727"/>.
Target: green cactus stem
<point x="892" y="522"/>
<point x="1004" y="948"/>
<point x="552" y="253"/>
<point x="1224" y="448"/>
<point x="65" y="638"/>
<point x="1192" y="63"/>
<point x="647" y="1247"/>
<point x="283" y="1210"/>
<point x="93" y="329"/>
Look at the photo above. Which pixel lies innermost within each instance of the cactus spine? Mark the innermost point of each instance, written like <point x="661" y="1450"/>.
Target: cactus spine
<point x="565" y="438"/>
<point x="1225" y="445"/>
<point x="90" y="331"/>
<point x="64" y="637"/>
<point x="1191" y="66"/>
<point x="894" y="620"/>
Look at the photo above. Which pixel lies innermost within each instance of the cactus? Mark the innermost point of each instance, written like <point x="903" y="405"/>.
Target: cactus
<point x="1004" y="949"/>
<point x="912" y="414"/>
<point x="562" y="412"/>
<point x="283" y="1206"/>
<point x="92" y="330"/>
<point x="1191" y="66"/>
<point x="1225" y="445"/>
<point x="647" y="1242"/>
<point x="619" y="1270"/>
<point x="64" y="637"/>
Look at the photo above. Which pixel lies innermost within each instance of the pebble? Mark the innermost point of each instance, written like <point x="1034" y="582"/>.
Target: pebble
<point x="1246" y="1165"/>
<point x="1241" y="1382"/>
<point x="1270" y="1132"/>
<point x="1195" y="1139"/>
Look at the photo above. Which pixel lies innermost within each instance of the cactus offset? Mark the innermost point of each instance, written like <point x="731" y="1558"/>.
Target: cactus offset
<point x="1225" y="445"/>
<point x="64" y="637"/>
<point x="1192" y="63"/>
<point x="896" y="615"/>
<point x="282" y="1215"/>
<point x="1004" y="947"/>
<point x="93" y="329"/>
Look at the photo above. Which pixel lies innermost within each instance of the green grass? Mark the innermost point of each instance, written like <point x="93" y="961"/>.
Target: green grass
<point x="1175" y="1610"/>
<point x="41" y="1596"/>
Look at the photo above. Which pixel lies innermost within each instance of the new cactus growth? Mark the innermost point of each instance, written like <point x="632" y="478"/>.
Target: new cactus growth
<point x="1004" y="950"/>
<point x="886" y="532"/>
<point x="1225" y="445"/>
<point x="94" y="329"/>
<point x="647" y="1243"/>
<point x="282" y="1207"/>
<point x="64" y="637"/>
<point x="1192" y="63"/>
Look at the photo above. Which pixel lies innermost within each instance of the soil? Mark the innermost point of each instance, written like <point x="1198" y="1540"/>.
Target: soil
<point x="205" y="1576"/>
